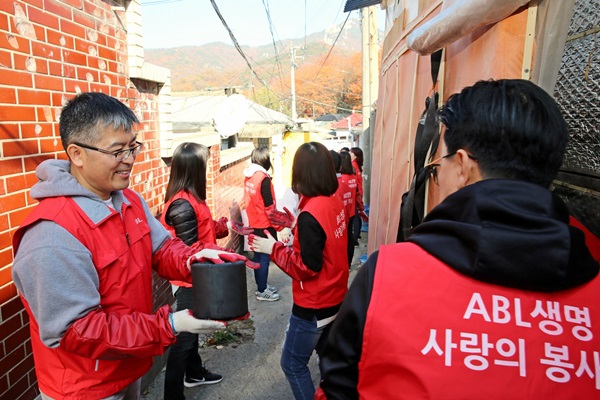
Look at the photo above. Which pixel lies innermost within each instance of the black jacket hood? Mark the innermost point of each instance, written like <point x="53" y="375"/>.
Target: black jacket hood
<point x="508" y="232"/>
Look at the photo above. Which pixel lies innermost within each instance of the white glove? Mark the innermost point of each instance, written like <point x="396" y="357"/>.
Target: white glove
<point x="260" y="244"/>
<point x="285" y="235"/>
<point x="184" y="321"/>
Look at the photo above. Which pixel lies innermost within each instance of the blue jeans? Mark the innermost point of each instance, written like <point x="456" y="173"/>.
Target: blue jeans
<point x="301" y="338"/>
<point x="262" y="274"/>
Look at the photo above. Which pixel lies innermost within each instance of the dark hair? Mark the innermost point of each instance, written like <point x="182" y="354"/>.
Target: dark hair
<point x="344" y="149"/>
<point x="86" y="112"/>
<point x="346" y="164"/>
<point x="359" y="157"/>
<point x="335" y="157"/>
<point x="511" y="126"/>
<point x="313" y="173"/>
<point x="262" y="157"/>
<point x="188" y="171"/>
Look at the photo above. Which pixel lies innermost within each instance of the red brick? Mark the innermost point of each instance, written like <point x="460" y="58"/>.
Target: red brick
<point x="40" y="33"/>
<point x="84" y="19"/>
<point x="9" y="131"/>
<point x="58" y="100"/>
<point x="46" y="50"/>
<point x="20" y="148"/>
<point x="32" y="162"/>
<point x="5" y="60"/>
<point x="37" y="3"/>
<point x="18" y="338"/>
<point x="74" y="57"/>
<point x="78" y="4"/>
<point x="3" y="27"/>
<point x="48" y="82"/>
<point x="74" y="86"/>
<point x="12" y="202"/>
<point x="7" y="6"/>
<point x="59" y="39"/>
<point x="3" y="378"/>
<point x="82" y="74"/>
<point x="15" y="219"/>
<point x="15" y="78"/>
<point x="33" y="97"/>
<point x="13" y="42"/>
<point x="37" y="130"/>
<point x="50" y="145"/>
<point x="57" y="8"/>
<point x="43" y="18"/>
<point x="6" y="258"/>
<point x="11" y="307"/>
<point x="102" y="39"/>
<point x="71" y="28"/>
<point x="18" y="389"/>
<point x="24" y="366"/>
<point x="17" y="113"/>
<point x="5" y="242"/>
<point x="3" y="221"/>
<point x="13" y="184"/>
<point x="7" y="96"/>
<point x="21" y="62"/>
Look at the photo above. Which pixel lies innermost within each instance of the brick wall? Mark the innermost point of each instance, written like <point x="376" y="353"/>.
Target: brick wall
<point x="51" y="50"/>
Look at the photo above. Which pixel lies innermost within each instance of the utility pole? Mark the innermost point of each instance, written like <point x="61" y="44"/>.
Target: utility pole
<point x="293" y="67"/>
<point x="370" y="79"/>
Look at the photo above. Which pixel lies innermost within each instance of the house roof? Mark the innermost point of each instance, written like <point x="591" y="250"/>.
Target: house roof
<point x="190" y="112"/>
<point x="352" y="5"/>
<point x="355" y="120"/>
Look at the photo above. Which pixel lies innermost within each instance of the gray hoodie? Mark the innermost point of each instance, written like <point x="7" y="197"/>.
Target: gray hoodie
<point x="52" y="269"/>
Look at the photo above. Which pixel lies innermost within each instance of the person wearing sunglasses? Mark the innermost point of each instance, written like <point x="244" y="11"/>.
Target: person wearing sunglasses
<point x="496" y="295"/>
<point x="84" y="259"/>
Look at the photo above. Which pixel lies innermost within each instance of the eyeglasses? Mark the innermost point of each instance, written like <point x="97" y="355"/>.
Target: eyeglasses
<point x="120" y="155"/>
<point x="433" y="166"/>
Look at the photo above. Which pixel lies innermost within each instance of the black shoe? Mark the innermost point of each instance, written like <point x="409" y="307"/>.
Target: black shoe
<point x="208" y="379"/>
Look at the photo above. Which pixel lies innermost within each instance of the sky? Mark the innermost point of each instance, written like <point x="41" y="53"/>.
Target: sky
<point x="175" y="23"/>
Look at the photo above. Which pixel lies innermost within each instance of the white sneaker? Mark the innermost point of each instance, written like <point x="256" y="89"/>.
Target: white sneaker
<point x="272" y="288"/>
<point x="267" y="295"/>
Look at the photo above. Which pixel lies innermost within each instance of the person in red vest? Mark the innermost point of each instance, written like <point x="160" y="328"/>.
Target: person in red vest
<point x="188" y="217"/>
<point x="346" y="191"/>
<point x="357" y="159"/>
<point x="316" y="262"/>
<point x="84" y="259"/>
<point x="496" y="295"/>
<point x="259" y="196"/>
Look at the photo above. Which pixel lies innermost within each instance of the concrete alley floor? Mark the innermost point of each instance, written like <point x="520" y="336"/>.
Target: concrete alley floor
<point x="251" y="368"/>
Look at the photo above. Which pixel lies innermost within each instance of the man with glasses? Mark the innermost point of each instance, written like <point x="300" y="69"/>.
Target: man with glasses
<point x="496" y="295"/>
<point x="84" y="259"/>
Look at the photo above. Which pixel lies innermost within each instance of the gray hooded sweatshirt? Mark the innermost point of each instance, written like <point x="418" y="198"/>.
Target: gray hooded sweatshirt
<point x="52" y="269"/>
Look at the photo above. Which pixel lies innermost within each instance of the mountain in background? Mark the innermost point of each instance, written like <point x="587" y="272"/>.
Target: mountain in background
<point x="214" y="66"/>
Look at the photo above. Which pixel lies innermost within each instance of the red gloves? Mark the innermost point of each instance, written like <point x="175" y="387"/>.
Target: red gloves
<point x="285" y="219"/>
<point x="364" y="217"/>
<point x="216" y="255"/>
<point x="239" y="228"/>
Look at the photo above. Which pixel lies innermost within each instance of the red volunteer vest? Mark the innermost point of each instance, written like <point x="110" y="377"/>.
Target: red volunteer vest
<point x="121" y="250"/>
<point x="255" y="205"/>
<point x="329" y="287"/>
<point x="432" y="333"/>
<point x="347" y="192"/>
<point x="206" y="227"/>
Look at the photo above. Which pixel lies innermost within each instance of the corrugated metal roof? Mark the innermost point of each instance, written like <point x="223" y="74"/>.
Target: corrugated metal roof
<point x="352" y="5"/>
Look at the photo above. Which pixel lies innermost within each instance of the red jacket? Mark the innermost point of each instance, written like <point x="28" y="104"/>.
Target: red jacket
<point x="330" y="285"/>
<point x="457" y="331"/>
<point x="209" y="230"/>
<point x="347" y="191"/>
<point x="255" y="205"/>
<point x="112" y="346"/>
<point x="359" y="188"/>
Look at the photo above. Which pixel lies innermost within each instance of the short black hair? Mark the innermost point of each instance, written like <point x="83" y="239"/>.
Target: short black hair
<point x="512" y="127"/>
<point x="346" y="167"/>
<point x="261" y="156"/>
<point x="81" y="117"/>
<point x="313" y="173"/>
